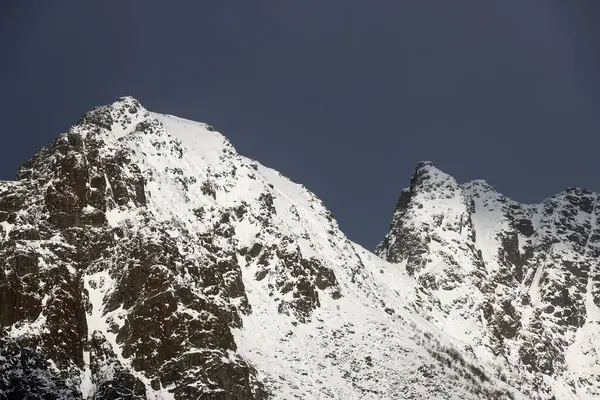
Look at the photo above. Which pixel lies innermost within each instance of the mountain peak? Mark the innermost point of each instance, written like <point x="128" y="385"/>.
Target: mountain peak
<point x="127" y="99"/>
<point x="428" y="167"/>
<point x="478" y="187"/>
<point x="115" y="120"/>
<point x="431" y="181"/>
<point x="424" y="164"/>
<point x="527" y="273"/>
<point x="145" y="258"/>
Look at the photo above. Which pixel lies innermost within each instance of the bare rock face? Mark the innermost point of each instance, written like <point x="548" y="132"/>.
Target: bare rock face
<point x="25" y="375"/>
<point x="524" y="276"/>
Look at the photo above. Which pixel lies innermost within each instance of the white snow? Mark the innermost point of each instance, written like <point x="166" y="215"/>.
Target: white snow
<point x="534" y="290"/>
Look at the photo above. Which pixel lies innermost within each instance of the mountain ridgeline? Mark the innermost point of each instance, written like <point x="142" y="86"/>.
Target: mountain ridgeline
<point x="141" y="257"/>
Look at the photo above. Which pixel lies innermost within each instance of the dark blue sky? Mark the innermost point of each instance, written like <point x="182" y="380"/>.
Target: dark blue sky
<point x="342" y="96"/>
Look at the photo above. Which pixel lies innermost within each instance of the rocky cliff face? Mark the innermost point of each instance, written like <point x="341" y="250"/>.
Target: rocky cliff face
<point x="141" y="257"/>
<point x="99" y="286"/>
<point x="521" y="280"/>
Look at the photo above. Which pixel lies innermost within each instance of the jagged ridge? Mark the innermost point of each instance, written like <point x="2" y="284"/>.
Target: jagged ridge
<point x="519" y="280"/>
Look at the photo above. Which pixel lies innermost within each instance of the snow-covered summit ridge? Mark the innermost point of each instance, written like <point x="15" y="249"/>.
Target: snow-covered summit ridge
<point x="429" y="170"/>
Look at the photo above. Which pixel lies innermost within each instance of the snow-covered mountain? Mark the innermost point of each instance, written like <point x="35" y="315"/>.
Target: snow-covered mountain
<point x="141" y="257"/>
<point x="517" y="283"/>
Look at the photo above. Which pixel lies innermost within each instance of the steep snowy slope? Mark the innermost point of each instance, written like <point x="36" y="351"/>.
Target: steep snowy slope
<point x="141" y="257"/>
<point x="518" y="283"/>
